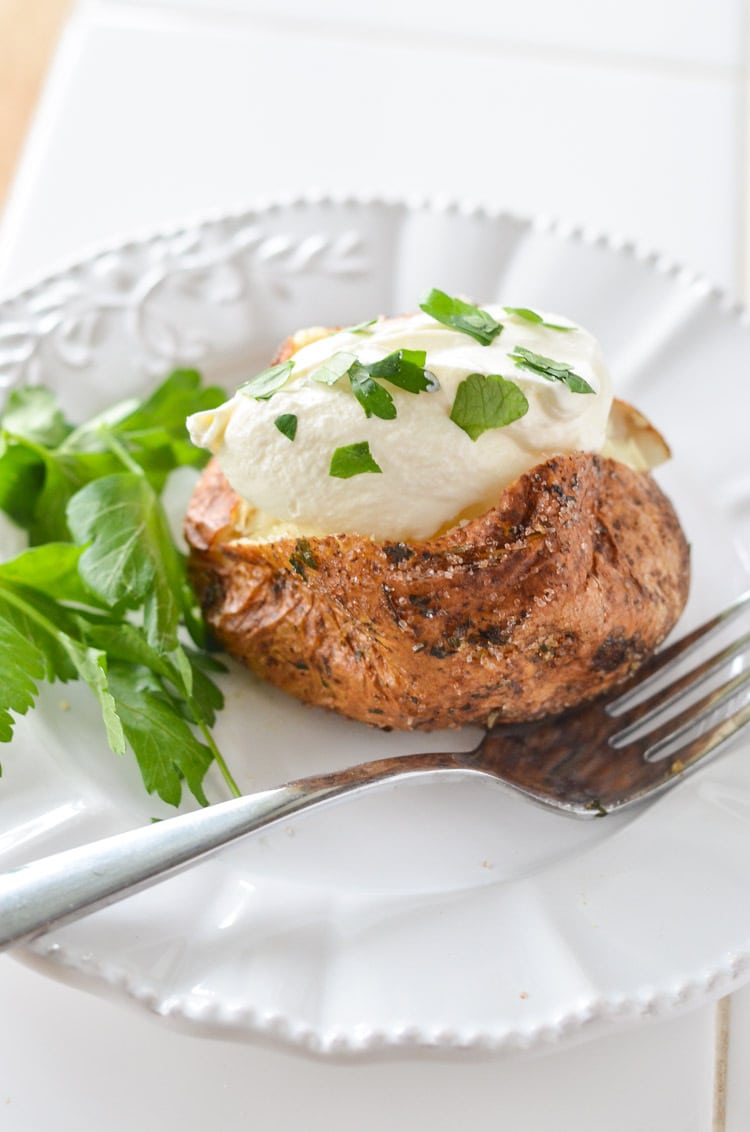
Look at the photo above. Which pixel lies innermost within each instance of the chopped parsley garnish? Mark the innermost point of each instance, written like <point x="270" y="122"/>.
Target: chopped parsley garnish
<point x="485" y="401"/>
<point x="474" y="321"/>
<point x="102" y="595"/>
<point x="353" y="460"/>
<point x="532" y="316"/>
<point x="265" y="384"/>
<point x="403" y="368"/>
<point x="287" y="424"/>
<point x="549" y="368"/>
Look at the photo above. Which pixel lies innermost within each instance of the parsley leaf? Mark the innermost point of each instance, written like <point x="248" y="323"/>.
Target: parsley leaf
<point x="287" y="425"/>
<point x="485" y="401"/>
<point x="19" y="687"/>
<point x="130" y="560"/>
<point x="532" y="316"/>
<point x="91" y="667"/>
<point x="165" y="747"/>
<point x="405" y="369"/>
<point x="38" y="621"/>
<point x="337" y="366"/>
<point x="51" y="569"/>
<point x="63" y="476"/>
<point x="33" y="413"/>
<point x="353" y="460"/>
<point x="552" y="370"/>
<point x="21" y="479"/>
<point x="471" y="320"/>
<point x="265" y="384"/>
<point x="166" y="409"/>
<point x="374" y="399"/>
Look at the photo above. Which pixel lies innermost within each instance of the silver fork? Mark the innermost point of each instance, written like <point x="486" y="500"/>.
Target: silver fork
<point x="591" y="761"/>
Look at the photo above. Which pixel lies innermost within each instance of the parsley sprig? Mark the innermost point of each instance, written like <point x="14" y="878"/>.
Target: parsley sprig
<point x="101" y="594"/>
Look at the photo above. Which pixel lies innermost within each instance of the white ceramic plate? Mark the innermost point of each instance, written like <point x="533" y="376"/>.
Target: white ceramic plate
<point x="446" y="915"/>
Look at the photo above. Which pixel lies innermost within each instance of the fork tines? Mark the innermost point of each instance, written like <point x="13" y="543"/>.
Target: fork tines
<point x="664" y="724"/>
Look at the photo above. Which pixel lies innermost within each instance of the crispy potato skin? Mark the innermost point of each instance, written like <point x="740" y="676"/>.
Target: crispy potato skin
<point x="550" y="598"/>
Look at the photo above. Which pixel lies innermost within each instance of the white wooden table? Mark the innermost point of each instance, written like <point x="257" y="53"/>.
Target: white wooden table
<point x="625" y="118"/>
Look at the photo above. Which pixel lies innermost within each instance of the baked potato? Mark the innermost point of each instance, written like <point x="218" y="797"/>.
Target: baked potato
<point x="551" y="596"/>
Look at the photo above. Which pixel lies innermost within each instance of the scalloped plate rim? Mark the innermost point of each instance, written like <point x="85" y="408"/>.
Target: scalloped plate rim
<point x="64" y="962"/>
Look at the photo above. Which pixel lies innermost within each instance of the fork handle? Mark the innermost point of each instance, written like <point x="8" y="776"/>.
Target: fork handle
<point x="65" y="886"/>
<point x="57" y="889"/>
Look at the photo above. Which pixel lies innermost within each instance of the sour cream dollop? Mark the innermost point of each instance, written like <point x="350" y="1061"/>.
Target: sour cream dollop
<point x="432" y="473"/>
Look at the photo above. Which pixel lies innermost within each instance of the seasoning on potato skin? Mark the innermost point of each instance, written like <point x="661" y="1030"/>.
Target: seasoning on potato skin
<point x="582" y="551"/>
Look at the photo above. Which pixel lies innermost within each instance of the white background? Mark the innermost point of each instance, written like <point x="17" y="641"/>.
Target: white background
<point x="625" y="118"/>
